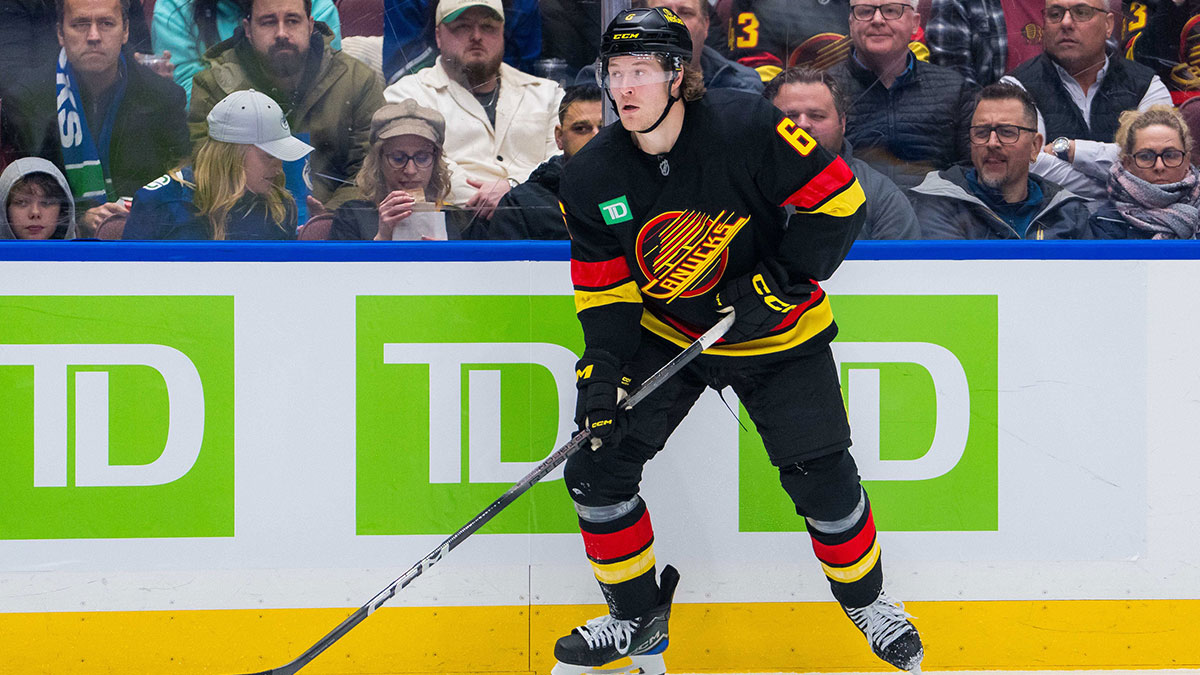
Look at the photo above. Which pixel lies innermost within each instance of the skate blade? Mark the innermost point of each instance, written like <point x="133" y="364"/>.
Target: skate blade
<point x="647" y="664"/>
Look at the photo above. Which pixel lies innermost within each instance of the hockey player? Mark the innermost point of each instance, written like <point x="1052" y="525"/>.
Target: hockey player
<point x="693" y="205"/>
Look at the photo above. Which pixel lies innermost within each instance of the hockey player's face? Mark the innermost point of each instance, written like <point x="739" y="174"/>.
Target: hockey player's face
<point x="1004" y="165"/>
<point x="640" y="87"/>
<point x="810" y="106"/>
<point x="880" y="37"/>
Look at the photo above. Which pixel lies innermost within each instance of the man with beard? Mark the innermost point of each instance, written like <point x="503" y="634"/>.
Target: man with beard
<point x="326" y="95"/>
<point x="499" y="120"/>
<point x="996" y="197"/>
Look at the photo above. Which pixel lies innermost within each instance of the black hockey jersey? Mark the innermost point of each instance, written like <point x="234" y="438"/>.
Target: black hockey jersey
<point x="654" y="238"/>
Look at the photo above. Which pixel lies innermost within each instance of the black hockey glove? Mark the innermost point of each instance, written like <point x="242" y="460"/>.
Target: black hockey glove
<point x="759" y="303"/>
<point x="601" y="387"/>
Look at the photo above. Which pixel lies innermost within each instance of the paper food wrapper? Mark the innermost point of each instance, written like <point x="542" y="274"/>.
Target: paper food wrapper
<point x="426" y="222"/>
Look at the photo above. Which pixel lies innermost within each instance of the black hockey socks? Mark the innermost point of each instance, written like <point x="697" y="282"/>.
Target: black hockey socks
<point x="619" y="541"/>
<point x="849" y="553"/>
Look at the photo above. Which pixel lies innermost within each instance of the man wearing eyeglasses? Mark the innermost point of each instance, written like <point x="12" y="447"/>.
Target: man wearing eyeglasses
<point x="995" y="196"/>
<point x="1081" y="89"/>
<point x="906" y="117"/>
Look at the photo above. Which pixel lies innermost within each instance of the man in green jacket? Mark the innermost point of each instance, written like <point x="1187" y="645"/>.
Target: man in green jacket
<point x="281" y="51"/>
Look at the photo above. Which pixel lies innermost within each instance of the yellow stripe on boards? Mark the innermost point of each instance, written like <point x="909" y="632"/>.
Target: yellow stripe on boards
<point x="716" y="637"/>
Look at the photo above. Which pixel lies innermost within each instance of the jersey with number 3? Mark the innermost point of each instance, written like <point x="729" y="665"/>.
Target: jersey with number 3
<point x="654" y="238"/>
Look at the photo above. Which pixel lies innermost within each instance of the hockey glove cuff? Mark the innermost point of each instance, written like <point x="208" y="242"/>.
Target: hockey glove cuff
<point x="760" y="304"/>
<point x="601" y="387"/>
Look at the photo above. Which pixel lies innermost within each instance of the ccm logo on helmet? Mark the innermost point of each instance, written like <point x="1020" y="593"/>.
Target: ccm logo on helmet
<point x="626" y="36"/>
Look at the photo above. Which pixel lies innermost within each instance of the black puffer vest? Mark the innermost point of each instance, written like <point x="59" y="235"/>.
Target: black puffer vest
<point x="1124" y="85"/>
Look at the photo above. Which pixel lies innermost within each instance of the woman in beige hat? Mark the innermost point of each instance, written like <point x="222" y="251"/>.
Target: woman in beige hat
<point x="404" y="171"/>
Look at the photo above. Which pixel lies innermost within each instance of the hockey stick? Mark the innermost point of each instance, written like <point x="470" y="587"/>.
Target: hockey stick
<point x="450" y="543"/>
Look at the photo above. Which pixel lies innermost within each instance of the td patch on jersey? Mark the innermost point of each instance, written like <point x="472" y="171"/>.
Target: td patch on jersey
<point x="616" y="211"/>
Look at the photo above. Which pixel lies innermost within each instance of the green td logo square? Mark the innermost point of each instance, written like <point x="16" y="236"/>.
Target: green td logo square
<point x="118" y="417"/>
<point x="501" y="362"/>
<point x="919" y="377"/>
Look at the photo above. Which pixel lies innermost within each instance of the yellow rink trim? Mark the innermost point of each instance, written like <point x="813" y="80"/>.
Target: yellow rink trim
<point x="726" y="638"/>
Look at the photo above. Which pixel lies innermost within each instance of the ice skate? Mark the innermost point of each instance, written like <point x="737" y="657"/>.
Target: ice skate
<point x="892" y="636"/>
<point x="608" y="646"/>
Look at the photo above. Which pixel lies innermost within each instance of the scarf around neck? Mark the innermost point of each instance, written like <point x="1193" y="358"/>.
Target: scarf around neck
<point x="1170" y="211"/>
<point x="84" y="159"/>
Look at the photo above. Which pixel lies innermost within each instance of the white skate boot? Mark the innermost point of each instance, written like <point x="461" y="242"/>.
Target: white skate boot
<point x="601" y="646"/>
<point x="891" y="635"/>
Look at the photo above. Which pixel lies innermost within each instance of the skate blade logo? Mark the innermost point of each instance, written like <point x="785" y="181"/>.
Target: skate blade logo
<point x="684" y="253"/>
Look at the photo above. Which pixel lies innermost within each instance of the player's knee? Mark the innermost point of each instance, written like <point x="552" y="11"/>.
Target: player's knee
<point x="824" y="488"/>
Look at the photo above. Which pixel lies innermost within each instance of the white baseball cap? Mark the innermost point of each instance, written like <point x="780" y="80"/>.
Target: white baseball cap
<point x="249" y="117"/>
<point x="449" y="10"/>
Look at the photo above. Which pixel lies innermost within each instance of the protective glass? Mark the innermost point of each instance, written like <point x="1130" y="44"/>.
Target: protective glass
<point x="644" y="69"/>
<point x="1079" y="13"/>
<point x="1146" y="159"/>
<point x="399" y="160"/>
<point x="1007" y="133"/>
<point x="890" y="11"/>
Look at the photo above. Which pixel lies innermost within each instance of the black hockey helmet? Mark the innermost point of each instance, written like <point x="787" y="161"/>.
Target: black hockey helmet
<point x="647" y="30"/>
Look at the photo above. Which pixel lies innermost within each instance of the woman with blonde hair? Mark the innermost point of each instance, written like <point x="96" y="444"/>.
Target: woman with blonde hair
<point x="234" y="186"/>
<point x="1153" y="191"/>
<point x="405" y="171"/>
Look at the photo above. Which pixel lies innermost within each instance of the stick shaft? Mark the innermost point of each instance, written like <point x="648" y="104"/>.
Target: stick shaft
<point x="521" y="487"/>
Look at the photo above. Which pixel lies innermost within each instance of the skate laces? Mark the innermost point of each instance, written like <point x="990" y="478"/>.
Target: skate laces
<point x="883" y="621"/>
<point x="606" y="630"/>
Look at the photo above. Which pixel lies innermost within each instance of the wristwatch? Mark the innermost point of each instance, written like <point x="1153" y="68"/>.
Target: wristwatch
<point x="1062" y="147"/>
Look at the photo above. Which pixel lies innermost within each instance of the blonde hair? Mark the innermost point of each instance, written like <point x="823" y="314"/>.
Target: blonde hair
<point x="1133" y="121"/>
<point x="220" y="182"/>
<point x="372" y="181"/>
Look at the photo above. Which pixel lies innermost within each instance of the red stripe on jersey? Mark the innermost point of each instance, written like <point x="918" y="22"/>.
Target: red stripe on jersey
<point x="851" y="551"/>
<point x="787" y="322"/>
<point x="835" y="177"/>
<point x="599" y="274"/>
<point x="619" y="544"/>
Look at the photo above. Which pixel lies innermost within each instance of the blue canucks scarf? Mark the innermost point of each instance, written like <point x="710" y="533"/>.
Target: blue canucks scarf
<point x="85" y="161"/>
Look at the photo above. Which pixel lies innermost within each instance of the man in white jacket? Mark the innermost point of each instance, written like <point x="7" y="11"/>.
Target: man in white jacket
<point x="499" y="120"/>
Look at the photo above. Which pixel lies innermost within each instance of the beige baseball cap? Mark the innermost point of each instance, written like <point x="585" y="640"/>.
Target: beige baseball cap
<point x="448" y="10"/>
<point x="250" y="117"/>
<point x="408" y="117"/>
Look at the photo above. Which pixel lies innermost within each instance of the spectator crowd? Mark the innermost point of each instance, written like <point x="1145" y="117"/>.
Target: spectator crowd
<point x="455" y="119"/>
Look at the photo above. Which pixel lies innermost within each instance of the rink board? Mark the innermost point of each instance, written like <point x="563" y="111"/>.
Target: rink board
<point x="212" y="453"/>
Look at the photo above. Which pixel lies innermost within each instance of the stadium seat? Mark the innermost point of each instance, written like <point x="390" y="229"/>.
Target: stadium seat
<point x="316" y="229"/>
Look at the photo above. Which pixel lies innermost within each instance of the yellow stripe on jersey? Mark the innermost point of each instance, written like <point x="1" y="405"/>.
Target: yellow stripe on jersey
<point x="858" y="570"/>
<point x="626" y="292"/>
<point x="816" y="319"/>
<point x="843" y="204"/>
<point x="615" y="573"/>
